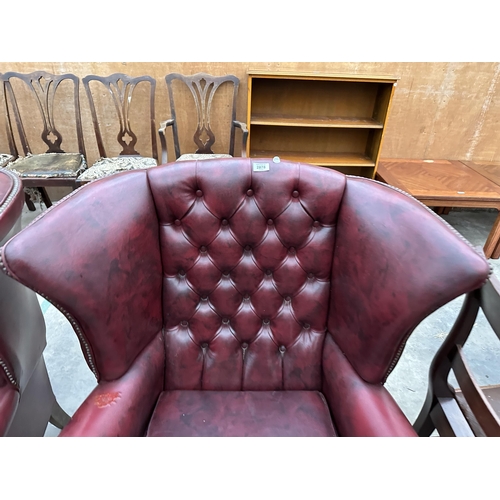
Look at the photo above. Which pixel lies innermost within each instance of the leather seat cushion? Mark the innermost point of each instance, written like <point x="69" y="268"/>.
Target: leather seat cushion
<point x="241" y="413"/>
<point x="49" y="165"/>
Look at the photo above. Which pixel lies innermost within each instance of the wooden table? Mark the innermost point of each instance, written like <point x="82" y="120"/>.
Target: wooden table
<point x="446" y="183"/>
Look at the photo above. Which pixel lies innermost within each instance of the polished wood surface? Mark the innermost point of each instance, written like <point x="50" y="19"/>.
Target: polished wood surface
<point x="438" y="180"/>
<point x="322" y="119"/>
<point x="439" y="183"/>
<point x="313" y="121"/>
<point x="490" y="170"/>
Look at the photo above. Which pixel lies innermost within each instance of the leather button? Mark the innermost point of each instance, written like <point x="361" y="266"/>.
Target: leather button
<point x="270" y="222"/>
<point x="250" y="192"/>
<point x="269" y="272"/>
<point x="225" y="222"/>
<point x="204" y="345"/>
<point x="316" y="223"/>
<point x="282" y="348"/>
<point x="288" y="298"/>
<point x="203" y="249"/>
<point x="226" y="275"/>
<point x="266" y="322"/>
<point x="248" y="248"/>
<point x="184" y="323"/>
<point x="246" y="297"/>
<point x="199" y="193"/>
<point x="292" y="250"/>
<point x="177" y="222"/>
<point x="310" y="275"/>
<point x="204" y="297"/>
<point x="307" y="326"/>
<point x="244" y="345"/>
<point x="182" y="273"/>
<point x="295" y="194"/>
<point x="225" y="321"/>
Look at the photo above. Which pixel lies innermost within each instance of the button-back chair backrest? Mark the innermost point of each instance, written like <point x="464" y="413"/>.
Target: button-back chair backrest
<point x="248" y="267"/>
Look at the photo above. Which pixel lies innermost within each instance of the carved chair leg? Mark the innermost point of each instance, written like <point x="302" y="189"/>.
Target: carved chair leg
<point x="29" y="203"/>
<point x="58" y="417"/>
<point x="45" y="197"/>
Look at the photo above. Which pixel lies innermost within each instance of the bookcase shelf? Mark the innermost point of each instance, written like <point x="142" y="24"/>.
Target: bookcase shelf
<point x="334" y="121"/>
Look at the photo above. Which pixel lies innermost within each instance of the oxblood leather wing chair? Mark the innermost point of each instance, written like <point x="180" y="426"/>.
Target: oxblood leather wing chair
<point x="223" y="301"/>
<point x="27" y="402"/>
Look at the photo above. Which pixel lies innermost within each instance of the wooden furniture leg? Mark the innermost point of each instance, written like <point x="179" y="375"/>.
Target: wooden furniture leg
<point x="492" y="245"/>
<point x="29" y="203"/>
<point x="45" y="197"/>
<point x="496" y="252"/>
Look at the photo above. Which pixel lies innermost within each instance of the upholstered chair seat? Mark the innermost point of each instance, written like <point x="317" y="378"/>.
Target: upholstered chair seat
<point x="229" y="299"/>
<point x="109" y="166"/>
<point x="48" y="165"/>
<point x="194" y="156"/>
<point x="5" y="158"/>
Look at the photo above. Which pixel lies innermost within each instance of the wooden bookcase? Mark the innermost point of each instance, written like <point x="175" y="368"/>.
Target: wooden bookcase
<point x="335" y="121"/>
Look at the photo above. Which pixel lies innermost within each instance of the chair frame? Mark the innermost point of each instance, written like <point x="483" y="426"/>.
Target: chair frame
<point x="44" y="96"/>
<point x="122" y="97"/>
<point x="203" y="96"/>
<point x="441" y="409"/>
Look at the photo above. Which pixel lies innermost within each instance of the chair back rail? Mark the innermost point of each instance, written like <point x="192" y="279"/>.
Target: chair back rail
<point x="121" y="88"/>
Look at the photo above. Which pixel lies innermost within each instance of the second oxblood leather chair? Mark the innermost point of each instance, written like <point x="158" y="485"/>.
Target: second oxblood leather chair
<point x="226" y="301"/>
<point x="27" y="402"/>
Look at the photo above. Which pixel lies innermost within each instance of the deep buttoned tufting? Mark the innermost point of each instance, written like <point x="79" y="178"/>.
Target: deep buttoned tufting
<point x="246" y="273"/>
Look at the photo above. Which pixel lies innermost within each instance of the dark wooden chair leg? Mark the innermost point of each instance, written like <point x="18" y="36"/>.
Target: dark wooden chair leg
<point x="424" y="426"/>
<point x="45" y="197"/>
<point x="446" y="210"/>
<point x="29" y="203"/>
<point x="58" y="417"/>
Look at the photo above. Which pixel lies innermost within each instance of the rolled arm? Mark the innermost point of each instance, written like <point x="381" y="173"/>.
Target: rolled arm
<point x="123" y="407"/>
<point x="359" y="409"/>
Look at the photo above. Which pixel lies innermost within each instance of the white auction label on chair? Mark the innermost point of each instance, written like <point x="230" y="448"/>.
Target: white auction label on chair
<point x="260" y="167"/>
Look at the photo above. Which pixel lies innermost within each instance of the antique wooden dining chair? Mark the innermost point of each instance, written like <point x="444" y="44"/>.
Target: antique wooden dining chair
<point x="203" y="88"/>
<point x="39" y="108"/>
<point x="131" y="100"/>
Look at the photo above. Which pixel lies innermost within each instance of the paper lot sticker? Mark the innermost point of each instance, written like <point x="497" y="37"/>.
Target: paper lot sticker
<point x="260" y="167"/>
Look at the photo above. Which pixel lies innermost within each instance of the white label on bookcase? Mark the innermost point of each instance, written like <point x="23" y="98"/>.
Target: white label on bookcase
<point x="260" y="167"/>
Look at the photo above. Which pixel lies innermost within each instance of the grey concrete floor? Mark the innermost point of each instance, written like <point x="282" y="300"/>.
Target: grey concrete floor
<point x="72" y="380"/>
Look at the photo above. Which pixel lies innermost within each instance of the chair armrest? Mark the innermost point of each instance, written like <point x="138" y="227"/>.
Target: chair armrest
<point x="123" y="407"/>
<point x="244" y="130"/>
<point x="163" y="141"/>
<point x="359" y="409"/>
